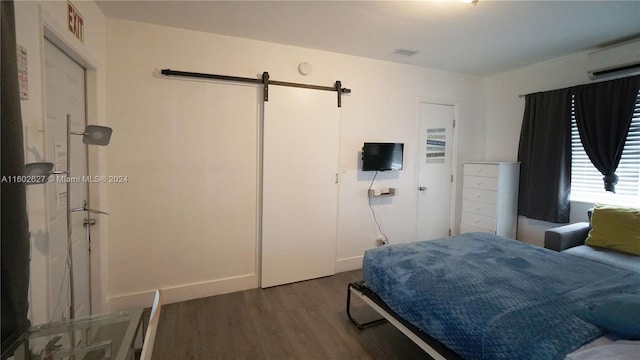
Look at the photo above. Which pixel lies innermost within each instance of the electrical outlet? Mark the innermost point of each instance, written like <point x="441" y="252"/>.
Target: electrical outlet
<point x="381" y="241"/>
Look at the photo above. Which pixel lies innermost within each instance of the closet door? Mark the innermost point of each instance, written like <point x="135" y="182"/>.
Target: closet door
<point x="300" y="185"/>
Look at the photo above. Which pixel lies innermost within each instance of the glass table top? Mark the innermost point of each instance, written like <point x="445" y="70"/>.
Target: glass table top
<point x="104" y="336"/>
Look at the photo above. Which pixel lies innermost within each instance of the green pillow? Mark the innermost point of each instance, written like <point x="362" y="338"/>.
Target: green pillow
<point x="616" y="228"/>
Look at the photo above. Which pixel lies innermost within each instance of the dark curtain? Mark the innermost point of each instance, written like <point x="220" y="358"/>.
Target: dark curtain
<point x="603" y="114"/>
<point x="545" y="156"/>
<point x="15" y="228"/>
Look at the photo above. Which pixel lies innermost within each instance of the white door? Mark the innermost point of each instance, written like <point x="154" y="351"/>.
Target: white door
<point x="65" y="96"/>
<point x="300" y="191"/>
<point x="435" y="171"/>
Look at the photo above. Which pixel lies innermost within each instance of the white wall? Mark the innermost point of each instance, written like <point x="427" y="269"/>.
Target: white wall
<point x="31" y="19"/>
<point x="382" y="107"/>
<point x="504" y="118"/>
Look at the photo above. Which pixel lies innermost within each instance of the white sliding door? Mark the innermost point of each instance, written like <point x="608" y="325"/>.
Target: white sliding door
<point x="300" y="191"/>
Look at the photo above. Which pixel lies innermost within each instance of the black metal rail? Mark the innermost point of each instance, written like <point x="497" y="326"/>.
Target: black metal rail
<point x="358" y="286"/>
<point x="264" y="80"/>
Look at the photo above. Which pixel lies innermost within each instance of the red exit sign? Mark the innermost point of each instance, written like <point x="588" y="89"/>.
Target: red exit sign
<point x="75" y="21"/>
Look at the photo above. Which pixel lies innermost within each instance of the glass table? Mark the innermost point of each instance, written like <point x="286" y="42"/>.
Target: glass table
<point x="107" y="336"/>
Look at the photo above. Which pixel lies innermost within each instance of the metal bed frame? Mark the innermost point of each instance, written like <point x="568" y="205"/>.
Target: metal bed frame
<point x="431" y="346"/>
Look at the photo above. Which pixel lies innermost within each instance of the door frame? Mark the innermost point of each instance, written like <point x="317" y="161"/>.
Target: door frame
<point x="51" y="30"/>
<point x="454" y="157"/>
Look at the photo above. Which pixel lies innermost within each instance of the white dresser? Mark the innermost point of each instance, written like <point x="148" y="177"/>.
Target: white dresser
<point x="490" y="198"/>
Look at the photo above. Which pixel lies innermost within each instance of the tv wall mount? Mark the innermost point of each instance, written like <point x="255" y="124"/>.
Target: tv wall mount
<point x="264" y="80"/>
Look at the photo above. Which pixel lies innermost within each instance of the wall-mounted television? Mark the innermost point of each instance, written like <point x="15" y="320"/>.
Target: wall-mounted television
<point x="382" y="156"/>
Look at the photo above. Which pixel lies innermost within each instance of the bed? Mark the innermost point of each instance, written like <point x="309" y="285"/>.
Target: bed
<point x="481" y="296"/>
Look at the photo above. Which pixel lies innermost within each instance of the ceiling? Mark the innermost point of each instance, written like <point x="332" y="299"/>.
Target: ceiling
<point x="483" y="39"/>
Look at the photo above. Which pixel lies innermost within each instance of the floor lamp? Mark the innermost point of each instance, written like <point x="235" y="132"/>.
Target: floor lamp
<point x="39" y="173"/>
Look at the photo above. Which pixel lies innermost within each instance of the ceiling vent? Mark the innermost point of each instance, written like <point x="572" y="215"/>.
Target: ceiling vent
<point x="405" y="52"/>
<point x="615" y="61"/>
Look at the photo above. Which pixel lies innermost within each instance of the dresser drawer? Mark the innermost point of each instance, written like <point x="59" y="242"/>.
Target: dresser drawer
<point x="481" y="182"/>
<point x="479" y="208"/>
<point x="485" y="196"/>
<point x="487" y="170"/>
<point x="486" y="222"/>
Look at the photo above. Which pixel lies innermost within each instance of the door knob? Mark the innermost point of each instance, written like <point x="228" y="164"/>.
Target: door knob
<point x="422" y="188"/>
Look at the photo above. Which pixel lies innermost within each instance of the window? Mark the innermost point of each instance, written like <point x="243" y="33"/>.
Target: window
<point x="586" y="180"/>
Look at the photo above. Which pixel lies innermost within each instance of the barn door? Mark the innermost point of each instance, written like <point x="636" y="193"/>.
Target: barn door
<point x="300" y="185"/>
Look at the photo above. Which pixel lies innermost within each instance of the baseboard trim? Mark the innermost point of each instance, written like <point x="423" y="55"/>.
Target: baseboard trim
<point x="184" y="292"/>
<point x="348" y="264"/>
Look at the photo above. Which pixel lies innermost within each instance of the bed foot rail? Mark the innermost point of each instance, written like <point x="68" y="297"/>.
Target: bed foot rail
<point x="358" y="286"/>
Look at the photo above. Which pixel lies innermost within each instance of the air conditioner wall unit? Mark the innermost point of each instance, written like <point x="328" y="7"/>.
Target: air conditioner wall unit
<point x="615" y="61"/>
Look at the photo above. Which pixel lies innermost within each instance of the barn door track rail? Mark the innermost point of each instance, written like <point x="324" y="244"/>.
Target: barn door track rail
<point x="265" y="81"/>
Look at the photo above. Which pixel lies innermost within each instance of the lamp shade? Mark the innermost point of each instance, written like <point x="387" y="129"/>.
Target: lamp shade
<point x="37" y="173"/>
<point x="97" y="135"/>
<point x="93" y="211"/>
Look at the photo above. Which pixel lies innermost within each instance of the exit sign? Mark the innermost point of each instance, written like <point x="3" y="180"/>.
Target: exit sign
<point x="75" y="21"/>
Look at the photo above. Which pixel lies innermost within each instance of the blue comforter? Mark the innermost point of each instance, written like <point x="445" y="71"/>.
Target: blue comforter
<point x="488" y="297"/>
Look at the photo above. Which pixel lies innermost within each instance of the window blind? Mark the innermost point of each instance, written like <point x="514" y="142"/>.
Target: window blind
<point x="586" y="180"/>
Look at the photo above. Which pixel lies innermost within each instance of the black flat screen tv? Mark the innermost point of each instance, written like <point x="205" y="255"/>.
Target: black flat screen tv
<point x="382" y="156"/>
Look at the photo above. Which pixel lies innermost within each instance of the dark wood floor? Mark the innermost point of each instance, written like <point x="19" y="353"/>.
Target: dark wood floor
<point x="305" y="320"/>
